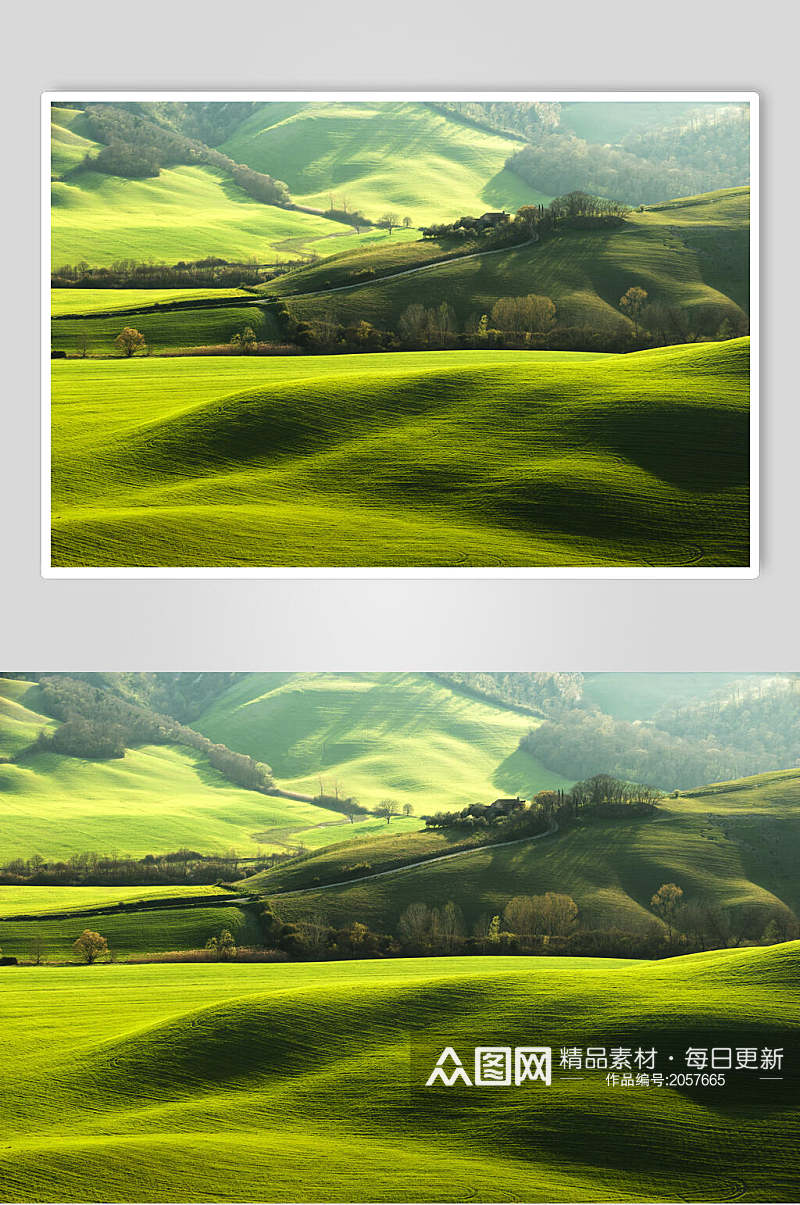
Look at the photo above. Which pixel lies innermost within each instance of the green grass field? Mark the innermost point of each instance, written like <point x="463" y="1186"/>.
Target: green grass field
<point x="436" y="458"/>
<point x="29" y="901"/>
<point x="692" y="254"/>
<point x="374" y="736"/>
<point x="156" y="799"/>
<point x="185" y="213"/>
<point x="86" y="302"/>
<point x="379" y="157"/>
<point x="734" y="846"/>
<point x="165" y="331"/>
<point x="405" y="736"/>
<point x="306" y="1082"/>
<point x="127" y="933"/>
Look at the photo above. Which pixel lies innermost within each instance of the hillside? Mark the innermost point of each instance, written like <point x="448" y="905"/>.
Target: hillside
<point x="156" y="799"/>
<point x="181" y="1077"/>
<point x="401" y="735"/>
<point x="379" y="156"/>
<point x="437" y="458"/>
<point x="692" y="254"/>
<point x="732" y="846"/>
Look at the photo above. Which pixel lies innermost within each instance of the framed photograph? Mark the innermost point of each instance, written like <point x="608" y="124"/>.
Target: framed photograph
<point x="384" y="937"/>
<point x="384" y="334"/>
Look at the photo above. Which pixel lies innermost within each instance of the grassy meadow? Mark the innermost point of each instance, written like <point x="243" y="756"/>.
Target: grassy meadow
<point x="400" y="156"/>
<point x="438" y="458"/>
<point x="231" y="1082"/>
<point x="455" y="451"/>
<point x="404" y="735"/>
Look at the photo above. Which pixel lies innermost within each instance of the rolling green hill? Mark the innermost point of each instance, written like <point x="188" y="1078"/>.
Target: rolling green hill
<point x="155" y="799"/>
<point x="733" y="846"/>
<point x="437" y="458"/>
<point x="377" y="735"/>
<point x="250" y="1082"/>
<point x="382" y="156"/>
<point x="692" y="254"/>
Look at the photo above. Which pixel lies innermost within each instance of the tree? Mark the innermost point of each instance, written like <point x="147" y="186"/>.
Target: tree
<point x="389" y="220"/>
<point x="89" y="946"/>
<point x="408" y="809"/>
<point x="414" y="924"/>
<point x="129" y="340"/>
<point x="632" y="303"/>
<point x="83" y="343"/>
<point x="245" y="340"/>
<point x="665" y="903"/>
<point x="407" y="222"/>
<point x="388" y="808"/>
<point x="37" y="950"/>
<point x="222" y="947"/>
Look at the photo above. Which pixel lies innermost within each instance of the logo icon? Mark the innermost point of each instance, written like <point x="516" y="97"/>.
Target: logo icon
<point x="494" y="1067"/>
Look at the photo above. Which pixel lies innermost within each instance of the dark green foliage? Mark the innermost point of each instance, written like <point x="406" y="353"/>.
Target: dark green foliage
<point x="98" y="723"/>
<point x="747" y="729"/>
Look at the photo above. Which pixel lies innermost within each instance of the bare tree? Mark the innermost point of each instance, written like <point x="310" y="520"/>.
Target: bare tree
<point x="388" y="808"/>
<point x="389" y="220"/>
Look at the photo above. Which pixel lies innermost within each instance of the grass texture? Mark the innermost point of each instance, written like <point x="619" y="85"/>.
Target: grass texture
<point x="433" y="458"/>
<point x="403" y="736"/>
<point x="382" y="156"/>
<point x="306" y="1082"/>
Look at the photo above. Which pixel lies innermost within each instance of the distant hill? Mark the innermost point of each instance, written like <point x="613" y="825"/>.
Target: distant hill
<point x="376" y="156"/>
<point x="375" y="735"/>
<point x="155" y="799"/>
<point x="733" y="846"/>
<point x="692" y="254"/>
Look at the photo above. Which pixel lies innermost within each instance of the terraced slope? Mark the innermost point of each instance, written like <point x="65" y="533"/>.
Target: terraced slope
<point x="379" y="156"/>
<point x="439" y="458"/>
<point x="692" y="254"/>
<point x="156" y="799"/>
<point x="171" y="1082"/>
<point x="404" y="736"/>
<point x="734" y="846"/>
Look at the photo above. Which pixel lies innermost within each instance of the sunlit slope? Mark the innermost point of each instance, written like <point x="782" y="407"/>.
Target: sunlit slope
<point x="404" y="736"/>
<point x="692" y="254"/>
<point x="379" y="157"/>
<point x="171" y="1082"/>
<point x="70" y="140"/>
<point x="156" y="799"/>
<point x="736" y="849"/>
<point x="186" y="213"/>
<point x="97" y="302"/>
<point x="440" y="458"/>
<point x="21" y="721"/>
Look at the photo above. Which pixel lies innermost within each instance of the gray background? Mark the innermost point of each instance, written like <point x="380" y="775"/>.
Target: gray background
<point x="397" y="624"/>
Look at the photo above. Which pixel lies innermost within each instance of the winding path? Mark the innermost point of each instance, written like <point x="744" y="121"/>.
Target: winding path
<point x="379" y="874"/>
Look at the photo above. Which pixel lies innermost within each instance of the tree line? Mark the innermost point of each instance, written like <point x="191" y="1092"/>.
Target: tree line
<point x="98" y="724"/>
<point x="138" y="148"/>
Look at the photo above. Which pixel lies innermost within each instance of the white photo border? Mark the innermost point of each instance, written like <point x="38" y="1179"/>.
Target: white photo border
<point x="48" y="570"/>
